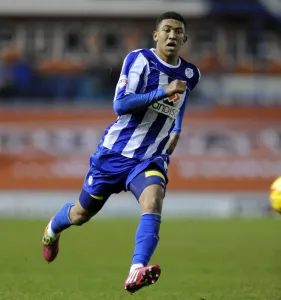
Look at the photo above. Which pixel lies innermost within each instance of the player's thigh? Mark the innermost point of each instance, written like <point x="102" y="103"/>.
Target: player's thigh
<point x="91" y="202"/>
<point x="151" y="199"/>
<point x="149" y="188"/>
<point x="97" y="189"/>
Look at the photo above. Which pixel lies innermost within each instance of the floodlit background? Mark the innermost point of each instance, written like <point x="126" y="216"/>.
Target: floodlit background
<point x="59" y="64"/>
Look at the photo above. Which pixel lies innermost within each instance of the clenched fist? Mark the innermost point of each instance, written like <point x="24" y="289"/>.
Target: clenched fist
<point x="176" y="87"/>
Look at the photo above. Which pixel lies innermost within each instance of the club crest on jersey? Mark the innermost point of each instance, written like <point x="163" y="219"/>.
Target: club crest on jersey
<point x="123" y="81"/>
<point x="189" y="73"/>
<point x="90" y="180"/>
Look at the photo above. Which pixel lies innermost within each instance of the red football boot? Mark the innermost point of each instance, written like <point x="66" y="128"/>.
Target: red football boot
<point x="50" y="245"/>
<point x="141" y="277"/>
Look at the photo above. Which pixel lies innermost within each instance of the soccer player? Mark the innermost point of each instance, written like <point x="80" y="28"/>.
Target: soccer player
<point x="133" y="154"/>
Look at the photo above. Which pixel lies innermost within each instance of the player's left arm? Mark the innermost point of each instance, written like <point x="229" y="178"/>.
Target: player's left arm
<point x="175" y="134"/>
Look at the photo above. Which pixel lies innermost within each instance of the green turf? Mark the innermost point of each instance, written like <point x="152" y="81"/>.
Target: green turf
<point x="200" y="259"/>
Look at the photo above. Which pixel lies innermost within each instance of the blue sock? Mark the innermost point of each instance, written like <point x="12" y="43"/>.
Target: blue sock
<point x="61" y="220"/>
<point x="146" y="238"/>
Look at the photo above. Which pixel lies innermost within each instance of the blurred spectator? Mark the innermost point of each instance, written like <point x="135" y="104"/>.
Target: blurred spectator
<point x="23" y="76"/>
<point x="7" y="86"/>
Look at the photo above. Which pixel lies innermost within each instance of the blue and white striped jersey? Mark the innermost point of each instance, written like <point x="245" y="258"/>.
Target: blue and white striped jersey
<point x="146" y="134"/>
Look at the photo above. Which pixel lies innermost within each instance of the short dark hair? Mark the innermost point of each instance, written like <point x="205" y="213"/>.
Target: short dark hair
<point x="170" y="15"/>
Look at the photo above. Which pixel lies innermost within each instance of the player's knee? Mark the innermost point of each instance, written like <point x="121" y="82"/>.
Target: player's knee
<point x="152" y="204"/>
<point x="80" y="219"/>
<point x="78" y="216"/>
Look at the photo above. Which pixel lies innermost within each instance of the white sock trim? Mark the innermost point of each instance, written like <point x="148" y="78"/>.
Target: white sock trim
<point x="50" y="232"/>
<point x="135" y="266"/>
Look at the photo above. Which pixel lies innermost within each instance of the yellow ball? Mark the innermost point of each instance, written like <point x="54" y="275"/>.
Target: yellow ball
<point x="275" y="195"/>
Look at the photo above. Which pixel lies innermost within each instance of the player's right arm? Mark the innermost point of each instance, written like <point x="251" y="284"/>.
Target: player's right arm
<point x="129" y="97"/>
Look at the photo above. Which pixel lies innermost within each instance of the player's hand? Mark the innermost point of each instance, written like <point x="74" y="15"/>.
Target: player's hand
<point x="174" y="138"/>
<point x="176" y="87"/>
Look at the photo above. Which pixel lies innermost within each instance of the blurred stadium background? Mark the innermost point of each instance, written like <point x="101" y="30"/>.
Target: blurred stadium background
<point x="59" y="64"/>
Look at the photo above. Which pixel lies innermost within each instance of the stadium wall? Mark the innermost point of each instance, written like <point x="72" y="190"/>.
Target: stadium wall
<point x="43" y="204"/>
<point x="223" y="166"/>
<point x="220" y="150"/>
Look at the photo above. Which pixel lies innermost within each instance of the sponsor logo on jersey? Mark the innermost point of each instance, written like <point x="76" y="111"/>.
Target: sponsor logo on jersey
<point x="175" y="98"/>
<point x="165" y="109"/>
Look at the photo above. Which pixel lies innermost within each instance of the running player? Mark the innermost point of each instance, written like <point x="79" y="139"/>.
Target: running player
<point x="133" y="154"/>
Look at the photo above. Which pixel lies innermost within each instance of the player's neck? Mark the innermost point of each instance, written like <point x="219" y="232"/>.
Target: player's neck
<point x="171" y="60"/>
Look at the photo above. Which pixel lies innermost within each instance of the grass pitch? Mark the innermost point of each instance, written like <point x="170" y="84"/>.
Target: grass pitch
<point x="200" y="259"/>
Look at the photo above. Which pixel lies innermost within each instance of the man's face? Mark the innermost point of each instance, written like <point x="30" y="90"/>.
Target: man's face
<point x="170" y="36"/>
